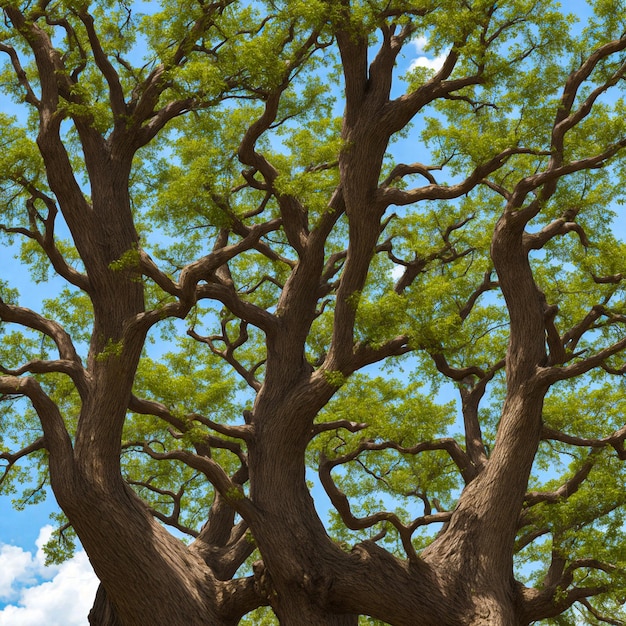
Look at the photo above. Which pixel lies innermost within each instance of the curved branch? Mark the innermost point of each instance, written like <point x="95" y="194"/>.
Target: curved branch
<point x="22" y="78"/>
<point x="116" y="92"/>
<point x="401" y="170"/>
<point x="150" y="407"/>
<point x="215" y="474"/>
<point x="70" y="363"/>
<point x="599" y="616"/>
<point x="550" y="375"/>
<point x="565" y="119"/>
<point x="366" y="354"/>
<point x="342" y="505"/>
<point x="616" y="440"/>
<point x="13" y="457"/>
<point x="173" y="519"/>
<point x="399" y="197"/>
<point x="568" y="488"/>
<point x="353" y="427"/>
<point x="228" y="354"/>
<point x="560" y="226"/>
<point x="56" y="437"/>
<point x="203" y="268"/>
<point x="484" y="287"/>
<point x="224" y="555"/>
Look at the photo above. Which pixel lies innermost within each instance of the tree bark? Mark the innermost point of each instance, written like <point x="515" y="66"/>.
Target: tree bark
<point x="103" y="612"/>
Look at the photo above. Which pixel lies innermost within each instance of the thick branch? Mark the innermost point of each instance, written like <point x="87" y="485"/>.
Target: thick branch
<point x="229" y="490"/>
<point x="70" y="363"/>
<point x="150" y="407"/>
<point x="56" y="437"/>
<point x="116" y="92"/>
<point x="550" y="375"/>
<point x="30" y="96"/>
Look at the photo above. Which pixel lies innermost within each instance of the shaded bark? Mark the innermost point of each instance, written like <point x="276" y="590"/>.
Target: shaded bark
<point x="465" y="576"/>
<point x="103" y="612"/>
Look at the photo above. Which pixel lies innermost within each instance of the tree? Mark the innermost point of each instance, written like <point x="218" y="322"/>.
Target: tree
<point x="281" y="252"/>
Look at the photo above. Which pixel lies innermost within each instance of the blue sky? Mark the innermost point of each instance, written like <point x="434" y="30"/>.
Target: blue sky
<point x="30" y="593"/>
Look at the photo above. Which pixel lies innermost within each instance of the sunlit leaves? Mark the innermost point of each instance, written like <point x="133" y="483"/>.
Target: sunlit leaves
<point x="246" y="99"/>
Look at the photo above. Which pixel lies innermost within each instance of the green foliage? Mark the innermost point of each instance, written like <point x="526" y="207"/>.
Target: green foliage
<point x="229" y="119"/>
<point x="62" y="542"/>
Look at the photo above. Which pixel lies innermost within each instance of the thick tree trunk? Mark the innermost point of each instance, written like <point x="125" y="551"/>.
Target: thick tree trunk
<point x="163" y="582"/>
<point x="103" y="612"/>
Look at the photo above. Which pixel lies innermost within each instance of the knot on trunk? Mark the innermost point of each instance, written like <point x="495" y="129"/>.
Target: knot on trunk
<point x="263" y="584"/>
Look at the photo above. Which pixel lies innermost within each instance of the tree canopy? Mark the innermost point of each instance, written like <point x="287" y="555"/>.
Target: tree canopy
<point x="341" y="338"/>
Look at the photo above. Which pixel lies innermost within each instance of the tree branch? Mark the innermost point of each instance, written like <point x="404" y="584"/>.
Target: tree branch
<point x="399" y="197"/>
<point x="568" y="488"/>
<point x="56" y="438"/>
<point x="229" y="490"/>
<point x="342" y="505"/>
<point x="13" y="457"/>
<point x="70" y="363"/>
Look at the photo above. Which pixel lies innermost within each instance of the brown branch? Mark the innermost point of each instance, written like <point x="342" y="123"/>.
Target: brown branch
<point x="22" y="78"/>
<point x="116" y="92"/>
<point x="365" y="354"/>
<point x="239" y="432"/>
<point x="173" y="519"/>
<point x="565" y="119"/>
<point x="70" y="363"/>
<point x="560" y="226"/>
<point x="56" y="437"/>
<point x="215" y="474"/>
<point x="228" y="354"/>
<point x="401" y="170"/>
<point x="613" y="279"/>
<point x="46" y="240"/>
<point x="599" y="616"/>
<point x="322" y="427"/>
<point x="247" y="311"/>
<point x="548" y="433"/>
<point x="151" y="407"/>
<point x="399" y="197"/>
<point x="294" y="215"/>
<point x="571" y="338"/>
<point x="528" y="538"/>
<point x="47" y="243"/>
<point x="447" y="444"/>
<point x="342" y="505"/>
<point x="454" y="373"/>
<point x="221" y="543"/>
<point x="615" y="440"/>
<point x="238" y="597"/>
<point x="486" y="285"/>
<point x="13" y="457"/>
<point x="206" y="268"/>
<point x="203" y="268"/>
<point x="550" y="375"/>
<point x="549" y="178"/>
<point x="568" y="488"/>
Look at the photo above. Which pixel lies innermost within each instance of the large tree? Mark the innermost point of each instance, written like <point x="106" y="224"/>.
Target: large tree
<point x="286" y="254"/>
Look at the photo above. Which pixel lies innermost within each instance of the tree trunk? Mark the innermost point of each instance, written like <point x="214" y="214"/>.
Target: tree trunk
<point x="103" y="612"/>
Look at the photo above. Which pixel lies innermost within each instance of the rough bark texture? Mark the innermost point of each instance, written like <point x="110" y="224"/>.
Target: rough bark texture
<point x="465" y="575"/>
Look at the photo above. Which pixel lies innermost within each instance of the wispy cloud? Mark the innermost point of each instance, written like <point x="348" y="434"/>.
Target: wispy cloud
<point x="60" y="595"/>
<point x="423" y="59"/>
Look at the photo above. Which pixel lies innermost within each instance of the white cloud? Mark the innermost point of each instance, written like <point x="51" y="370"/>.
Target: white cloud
<point x="60" y="595"/>
<point x="423" y="60"/>
<point x="397" y="271"/>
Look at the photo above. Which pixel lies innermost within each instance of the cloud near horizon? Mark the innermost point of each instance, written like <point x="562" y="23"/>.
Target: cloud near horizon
<point x="33" y="594"/>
